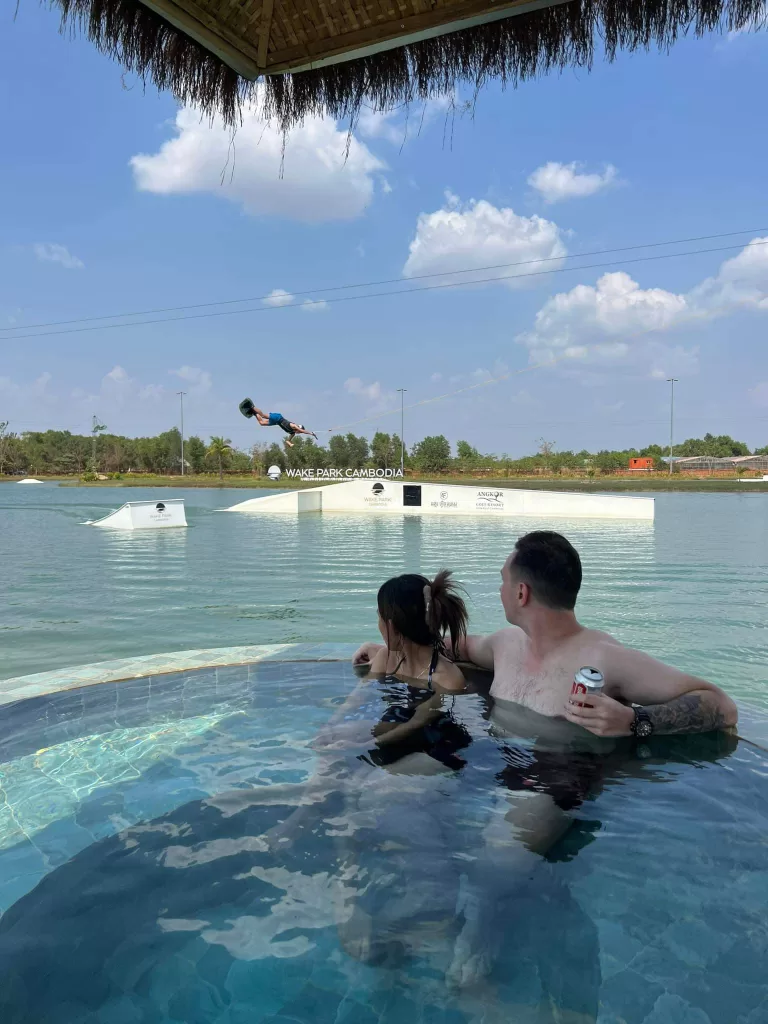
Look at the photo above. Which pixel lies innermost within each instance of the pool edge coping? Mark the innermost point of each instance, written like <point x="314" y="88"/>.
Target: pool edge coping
<point x="39" y="684"/>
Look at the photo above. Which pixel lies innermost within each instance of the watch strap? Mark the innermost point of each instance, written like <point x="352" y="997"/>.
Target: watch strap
<point x="641" y="715"/>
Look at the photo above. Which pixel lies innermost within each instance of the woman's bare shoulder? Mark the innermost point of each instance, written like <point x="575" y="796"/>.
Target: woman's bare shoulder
<point x="448" y="676"/>
<point x="379" y="663"/>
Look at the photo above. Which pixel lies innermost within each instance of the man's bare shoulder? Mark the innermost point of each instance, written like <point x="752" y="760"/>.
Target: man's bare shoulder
<point x="510" y="634"/>
<point x="503" y="639"/>
<point x="598" y="639"/>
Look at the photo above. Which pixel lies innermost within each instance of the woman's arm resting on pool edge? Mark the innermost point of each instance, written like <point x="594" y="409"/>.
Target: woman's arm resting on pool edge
<point x="675" y="702"/>
<point x="366" y="652"/>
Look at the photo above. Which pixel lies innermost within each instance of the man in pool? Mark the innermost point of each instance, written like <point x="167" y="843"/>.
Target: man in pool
<point x="274" y="419"/>
<point x="533" y="663"/>
<point x="534" y="659"/>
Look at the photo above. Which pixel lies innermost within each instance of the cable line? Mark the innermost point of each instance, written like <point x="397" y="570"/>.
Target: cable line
<point x="390" y="293"/>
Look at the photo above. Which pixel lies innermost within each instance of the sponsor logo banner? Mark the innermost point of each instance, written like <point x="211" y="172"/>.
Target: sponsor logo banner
<point x="489" y="499"/>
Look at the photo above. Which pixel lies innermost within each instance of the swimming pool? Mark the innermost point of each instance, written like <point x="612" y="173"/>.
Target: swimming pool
<point x="147" y="873"/>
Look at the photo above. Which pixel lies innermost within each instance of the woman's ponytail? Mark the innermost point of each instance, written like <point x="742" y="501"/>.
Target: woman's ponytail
<point x="446" y="611"/>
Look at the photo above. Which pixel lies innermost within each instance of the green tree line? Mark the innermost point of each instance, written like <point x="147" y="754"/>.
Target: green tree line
<point x="59" y="452"/>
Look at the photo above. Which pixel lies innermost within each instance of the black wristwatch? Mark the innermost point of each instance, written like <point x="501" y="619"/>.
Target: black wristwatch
<point x="642" y="726"/>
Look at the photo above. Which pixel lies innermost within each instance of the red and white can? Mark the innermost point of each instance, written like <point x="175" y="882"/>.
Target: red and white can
<point x="587" y="682"/>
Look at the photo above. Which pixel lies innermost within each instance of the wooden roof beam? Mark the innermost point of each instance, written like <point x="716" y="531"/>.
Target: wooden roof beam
<point x="413" y="29"/>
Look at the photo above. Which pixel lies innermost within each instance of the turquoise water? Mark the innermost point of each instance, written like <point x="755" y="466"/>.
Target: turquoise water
<point x="692" y="589"/>
<point x="139" y="887"/>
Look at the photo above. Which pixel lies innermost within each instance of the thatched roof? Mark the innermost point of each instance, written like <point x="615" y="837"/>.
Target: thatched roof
<point x="330" y="56"/>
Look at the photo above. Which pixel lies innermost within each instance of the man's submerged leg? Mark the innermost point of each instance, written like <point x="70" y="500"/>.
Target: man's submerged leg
<point x="513" y="846"/>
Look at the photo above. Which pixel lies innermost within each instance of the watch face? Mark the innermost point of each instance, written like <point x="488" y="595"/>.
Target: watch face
<point x="643" y="729"/>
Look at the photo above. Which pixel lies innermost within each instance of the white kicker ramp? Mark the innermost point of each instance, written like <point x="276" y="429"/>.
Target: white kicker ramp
<point x="144" y="515"/>
<point x="373" y="495"/>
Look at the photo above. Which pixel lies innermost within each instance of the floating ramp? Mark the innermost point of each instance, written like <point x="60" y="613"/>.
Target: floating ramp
<point x="373" y="495"/>
<point x="144" y="515"/>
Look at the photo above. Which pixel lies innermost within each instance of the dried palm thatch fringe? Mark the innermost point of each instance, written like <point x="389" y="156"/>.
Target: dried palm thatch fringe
<point x="149" y="46"/>
<point x="511" y="50"/>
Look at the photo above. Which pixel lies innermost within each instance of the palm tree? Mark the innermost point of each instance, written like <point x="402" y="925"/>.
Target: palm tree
<point x="219" y="448"/>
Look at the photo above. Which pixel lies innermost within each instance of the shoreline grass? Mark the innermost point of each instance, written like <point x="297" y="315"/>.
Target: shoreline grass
<point x="656" y="483"/>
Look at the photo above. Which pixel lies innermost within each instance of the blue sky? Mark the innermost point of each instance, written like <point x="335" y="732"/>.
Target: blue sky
<point x="115" y="201"/>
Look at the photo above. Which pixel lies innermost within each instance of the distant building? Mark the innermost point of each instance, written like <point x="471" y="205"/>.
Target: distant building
<point x="641" y="465"/>
<point x="735" y="463"/>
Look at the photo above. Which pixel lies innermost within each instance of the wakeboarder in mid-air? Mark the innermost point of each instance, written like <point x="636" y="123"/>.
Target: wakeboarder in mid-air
<point x="274" y="419"/>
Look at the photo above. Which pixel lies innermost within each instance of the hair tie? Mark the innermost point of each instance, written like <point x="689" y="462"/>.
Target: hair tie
<point x="428" y="602"/>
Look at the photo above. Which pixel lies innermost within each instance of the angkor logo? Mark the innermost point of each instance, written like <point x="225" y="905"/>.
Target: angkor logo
<point x="378" y="489"/>
<point x="490" y="499"/>
<point x="160" y="506"/>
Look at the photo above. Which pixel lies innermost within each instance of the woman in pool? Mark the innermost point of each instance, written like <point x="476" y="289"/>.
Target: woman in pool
<point x="415" y="615"/>
<point x="395" y="830"/>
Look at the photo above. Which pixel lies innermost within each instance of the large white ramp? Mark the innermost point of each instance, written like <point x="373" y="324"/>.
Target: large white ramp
<point x="373" y="495"/>
<point x="144" y="515"/>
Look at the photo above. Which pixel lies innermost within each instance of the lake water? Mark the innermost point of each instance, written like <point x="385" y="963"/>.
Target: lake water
<point x="691" y="588"/>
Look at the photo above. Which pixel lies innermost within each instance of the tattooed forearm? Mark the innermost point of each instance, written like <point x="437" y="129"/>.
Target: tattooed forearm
<point x="693" y="712"/>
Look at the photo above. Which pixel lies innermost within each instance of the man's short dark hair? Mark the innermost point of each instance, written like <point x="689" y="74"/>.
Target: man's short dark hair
<point x="551" y="567"/>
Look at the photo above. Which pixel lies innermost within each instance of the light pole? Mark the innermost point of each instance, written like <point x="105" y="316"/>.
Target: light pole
<point x="402" y="434"/>
<point x="672" y="381"/>
<point x="181" y="400"/>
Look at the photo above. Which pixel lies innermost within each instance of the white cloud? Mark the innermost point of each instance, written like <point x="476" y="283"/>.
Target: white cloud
<point x="616" y="305"/>
<point x="318" y="174"/>
<point x="37" y="389"/>
<point x="741" y="281"/>
<point x="199" y="381"/>
<point x="396" y="126"/>
<point x="355" y="386"/>
<point x="40" y="384"/>
<point x="384" y="124"/>
<point x="671" y="360"/>
<point x="480" y="375"/>
<point x="117" y="389"/>
<point x="50" y="252"/>
<point x="117" y="385"/>
<point x="153" y="393"/>
<point x="556" y="182"/>
<point x="374" y="394"/>
<point x="278" y="297"/>
<point x="612" y="319"/>
<point x="477" y="234"/>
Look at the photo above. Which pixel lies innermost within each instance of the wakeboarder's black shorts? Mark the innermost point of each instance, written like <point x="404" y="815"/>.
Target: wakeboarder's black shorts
<point x="286" y="426"/>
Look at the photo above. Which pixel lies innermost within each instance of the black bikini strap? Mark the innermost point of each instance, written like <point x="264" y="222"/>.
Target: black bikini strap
<point x="433" y="665"/>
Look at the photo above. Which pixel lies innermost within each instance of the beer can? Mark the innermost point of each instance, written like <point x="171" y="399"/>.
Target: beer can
<point x="587" y="681"/>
